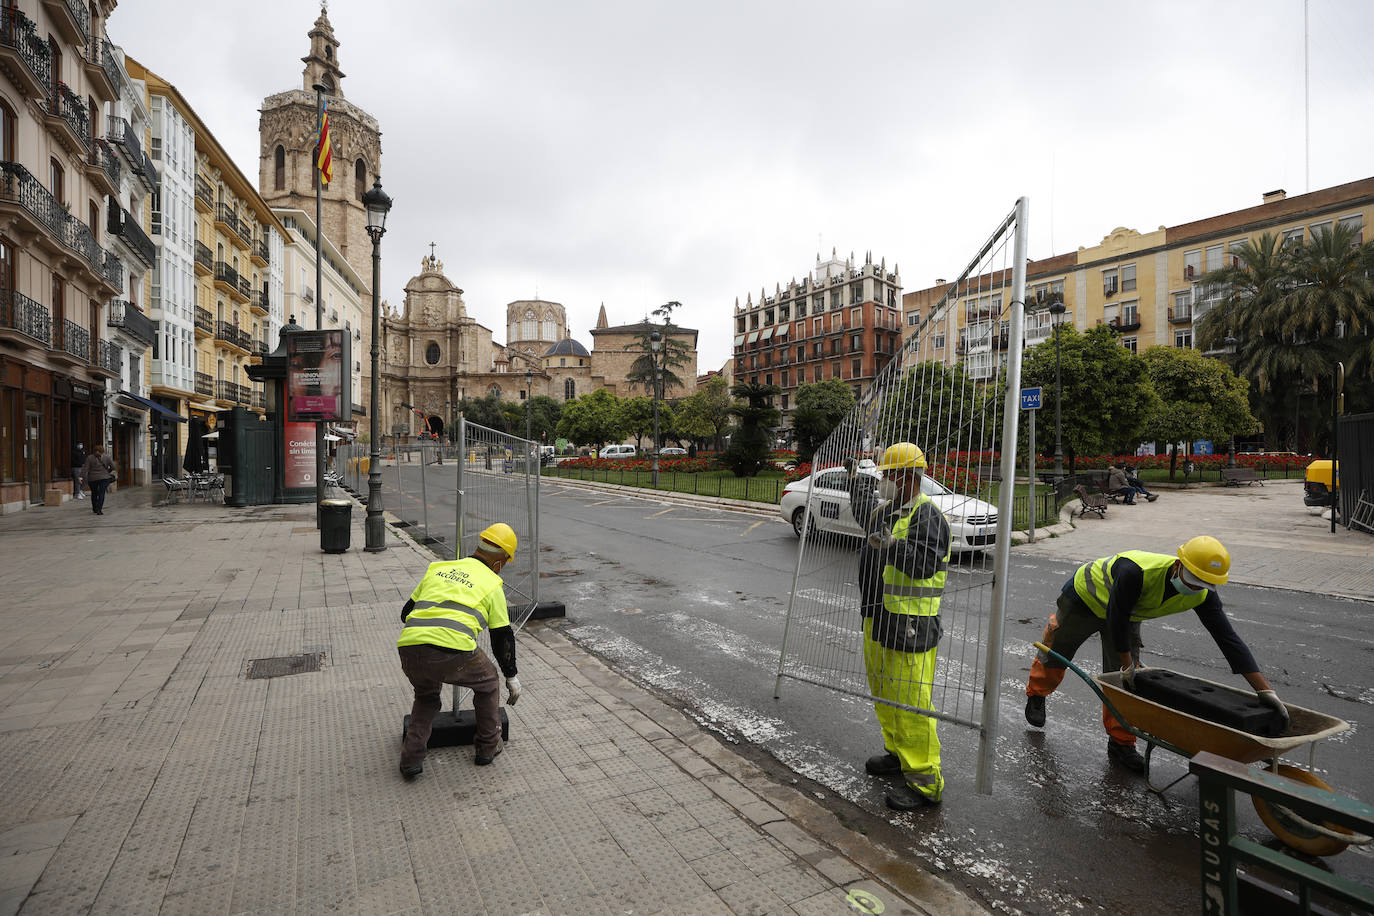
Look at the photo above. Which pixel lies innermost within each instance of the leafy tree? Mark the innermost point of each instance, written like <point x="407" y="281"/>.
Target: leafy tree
<point x="938" y="407"/>
<point x="1198" y="398"/>
<point x="546" y="414"/>
<point x="820" y="408"/>
<point x="674" y="354"/>
<point x="1106" y="395"/>
<point x="705" y="414"/>
<point x="752" y="442"/>
<point x="637" y="416"/>
<point x="592" y="419"/>
<point x="484" y="411"/>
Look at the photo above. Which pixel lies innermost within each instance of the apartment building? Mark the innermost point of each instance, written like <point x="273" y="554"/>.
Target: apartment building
<point x="58" y="271"/>
<point x="1148" y="287"/>
<point x="841" y="321"/>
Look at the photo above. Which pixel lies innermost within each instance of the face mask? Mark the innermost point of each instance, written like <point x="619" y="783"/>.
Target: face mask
<point x="887" y="489"/>
<point x="1182" y="588"/>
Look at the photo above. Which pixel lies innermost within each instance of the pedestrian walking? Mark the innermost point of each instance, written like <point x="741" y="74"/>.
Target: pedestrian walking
<point x="902" y="566"/>
<point x="454" y="601"/>
<point x="99" y="473"/>
<point x="78" y="466"/>
<point x="1111" y="596"/>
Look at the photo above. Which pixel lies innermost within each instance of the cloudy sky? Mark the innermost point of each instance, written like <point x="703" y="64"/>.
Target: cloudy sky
<point x="639" y="151"/>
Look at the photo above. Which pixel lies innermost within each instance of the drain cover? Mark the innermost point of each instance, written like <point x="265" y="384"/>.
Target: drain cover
<point x="284" y="665"/>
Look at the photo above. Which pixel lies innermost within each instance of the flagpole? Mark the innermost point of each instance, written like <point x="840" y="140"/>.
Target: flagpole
<point x="319" y="287"/>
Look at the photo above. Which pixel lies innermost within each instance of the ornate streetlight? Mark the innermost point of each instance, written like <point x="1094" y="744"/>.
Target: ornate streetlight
<point x="656" y="345"/>
<point x="378" y="205"/>
<point x="1057" y="310"/>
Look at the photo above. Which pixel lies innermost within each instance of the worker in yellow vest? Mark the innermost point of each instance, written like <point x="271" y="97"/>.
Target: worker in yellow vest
<point x="901" y="634"/>
<point x="448" y="610"/>
<point x="1111" y="597"/>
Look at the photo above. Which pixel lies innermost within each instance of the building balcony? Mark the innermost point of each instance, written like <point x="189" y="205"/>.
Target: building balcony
<point x="205" y="195"/>
<point x="29" y="207"/>
<point x="112" y="270"/>
<point x="245" y="288"/>
<point x="102" y="72"/>
<point x="119" y="132"/>
<point x="1180" y="315"/>
<point x="226" y="278"/>
<point x="225" y="220"/>
<point x="124" y="227"/>
<point x="109" y="359"/>
<point x="259" y="400"/>
<point x="23" y="55"/>
<point x="1001" y="341"/>
<point x="104" y="168"/>
<point x="205" y="384"/>
<point x="71" y="343"/>
<point x="125" y="316"/>
<point x="71" y="19"/>
<point x="225" y="393"/>
<point x="24" y="321"/>
<point x="260" y="347"/>
<point x="68" y="120"/>
<point x="243" y="230"/>
<point x="147" y="175"/>
<point x="205" y="323"/>
<point x="259" y="252"/>
<point x="1124" y="327"/>
<point x="258" y="302"/>
<point x="230" y="336"/>
<point x="205" y="261"/>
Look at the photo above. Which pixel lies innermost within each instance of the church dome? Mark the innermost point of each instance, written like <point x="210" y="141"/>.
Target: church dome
<point x="567" y="347"/>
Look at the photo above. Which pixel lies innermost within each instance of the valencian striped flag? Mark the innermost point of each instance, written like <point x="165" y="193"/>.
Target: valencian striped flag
<point x="323" y="160"/>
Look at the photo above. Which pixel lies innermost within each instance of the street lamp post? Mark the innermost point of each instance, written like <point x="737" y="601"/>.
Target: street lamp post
<point x="377" y="204"/>
<point x="1231" y="457"/>
<point x="1057" y="310"/>
<point x="655" y="345"/>
<point x="529" y="411"/>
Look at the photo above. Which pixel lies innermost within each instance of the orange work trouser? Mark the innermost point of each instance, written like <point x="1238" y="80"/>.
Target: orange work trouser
<point x="1070" y="625"/>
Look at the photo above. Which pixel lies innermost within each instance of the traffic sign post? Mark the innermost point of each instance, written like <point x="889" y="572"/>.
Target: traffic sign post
<point x="1030" y="400"/>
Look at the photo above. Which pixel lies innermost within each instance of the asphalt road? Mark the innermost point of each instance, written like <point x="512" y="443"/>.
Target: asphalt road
<point x="691" y="602"/>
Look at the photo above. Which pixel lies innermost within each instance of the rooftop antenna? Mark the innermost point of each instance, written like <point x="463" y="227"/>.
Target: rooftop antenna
<point x="1306" y="107"/>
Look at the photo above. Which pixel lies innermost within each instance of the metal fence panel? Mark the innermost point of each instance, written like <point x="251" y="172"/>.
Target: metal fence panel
<point x="959" y="412"/>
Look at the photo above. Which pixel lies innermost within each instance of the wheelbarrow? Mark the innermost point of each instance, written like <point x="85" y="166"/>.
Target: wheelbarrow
<point x="1184" y="734"/>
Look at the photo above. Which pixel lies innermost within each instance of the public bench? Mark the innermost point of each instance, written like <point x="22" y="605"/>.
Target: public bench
<point x="1091" y="502"/>
<point x="1234" y="477"/>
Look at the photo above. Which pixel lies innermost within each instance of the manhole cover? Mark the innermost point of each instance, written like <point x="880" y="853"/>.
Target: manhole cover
<point x="284" y="665"/>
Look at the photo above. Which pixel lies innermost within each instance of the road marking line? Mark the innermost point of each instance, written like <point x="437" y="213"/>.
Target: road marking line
<point x="752" y="527"/>
<point x="663" y="512"/>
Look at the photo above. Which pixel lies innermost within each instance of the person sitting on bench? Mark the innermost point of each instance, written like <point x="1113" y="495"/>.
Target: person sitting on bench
<point x="1136" y="485"/>
<point x="1110" y="597"/>
<point x="1117" y="485"/>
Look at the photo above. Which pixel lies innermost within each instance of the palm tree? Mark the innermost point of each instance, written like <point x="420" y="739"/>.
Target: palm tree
<point x="1333" y="295"/>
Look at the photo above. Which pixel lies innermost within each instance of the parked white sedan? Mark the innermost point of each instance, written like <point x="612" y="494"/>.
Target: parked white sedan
<point x="972" y="522"/>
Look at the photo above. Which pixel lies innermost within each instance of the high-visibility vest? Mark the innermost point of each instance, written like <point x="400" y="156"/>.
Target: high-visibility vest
<point x="905" y="595"/>
<point x="1093" y="583"/>
<point x="454" y="602"/>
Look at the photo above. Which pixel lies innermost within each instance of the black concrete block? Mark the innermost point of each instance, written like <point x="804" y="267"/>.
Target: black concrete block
<point x="452" y="730"/>
<point x="547" y="609"/>
<point x="1198" y="698"/>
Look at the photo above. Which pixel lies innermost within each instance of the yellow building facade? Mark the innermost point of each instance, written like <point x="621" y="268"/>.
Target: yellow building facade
<point x="1147" y="286"/>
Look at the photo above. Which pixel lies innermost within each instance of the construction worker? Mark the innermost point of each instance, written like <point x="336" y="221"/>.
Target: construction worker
<point x="454" y="602"/>
<point x="1111" y="597"/>
<point x="902" y="574"/>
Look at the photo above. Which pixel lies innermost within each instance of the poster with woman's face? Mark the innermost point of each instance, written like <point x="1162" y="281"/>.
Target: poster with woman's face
<point x="316" y="376"/>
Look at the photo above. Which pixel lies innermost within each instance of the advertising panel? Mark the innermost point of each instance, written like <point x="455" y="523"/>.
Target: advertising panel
<point x="318" y="383"/>
<point x="300" y="455"/>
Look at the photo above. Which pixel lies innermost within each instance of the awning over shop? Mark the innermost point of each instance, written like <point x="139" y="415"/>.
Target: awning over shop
<point x="138" y="403"/>
<point x="753" y="336"/>
<point x="783" y="329"/>
<point x="765" y="334"/>
<point x="202" y="405"/>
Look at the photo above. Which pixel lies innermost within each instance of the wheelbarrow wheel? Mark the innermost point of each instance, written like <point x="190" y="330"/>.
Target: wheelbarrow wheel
<point x="1292" y="830"/>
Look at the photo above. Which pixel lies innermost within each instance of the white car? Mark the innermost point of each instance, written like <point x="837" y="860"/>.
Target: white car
<point x="972" y="522"/>
<point x="672" y="451"/>
<point x="618" y="451"/>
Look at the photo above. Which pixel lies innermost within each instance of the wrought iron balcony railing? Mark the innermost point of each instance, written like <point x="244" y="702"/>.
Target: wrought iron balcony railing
<point x="204" y="320"/>
<point x="68" y="106"/>
<point x="204" y="193"/>
<point x="111" y="357"/>
<point x="226" y="274"/>
<point x="19" y="186"/>
<point x="205" y="384"/>
<point x="123" y="225"/>
<point x="99" y="53"/>
<point x="19" y="33"/>
<point x="119" y="132"/>
<point x="203" y="256"/>
<point x="103" y="156"/>
<point x="127" y="317"/>
<point x="76" y="340"/>
<point x="20" y="313"/>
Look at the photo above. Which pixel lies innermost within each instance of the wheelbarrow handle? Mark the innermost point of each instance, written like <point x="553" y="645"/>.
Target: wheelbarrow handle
<point x="1111" y="707"/>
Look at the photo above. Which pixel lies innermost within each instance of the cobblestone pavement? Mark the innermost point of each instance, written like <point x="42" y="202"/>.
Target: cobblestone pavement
<point x="142" y="772"/>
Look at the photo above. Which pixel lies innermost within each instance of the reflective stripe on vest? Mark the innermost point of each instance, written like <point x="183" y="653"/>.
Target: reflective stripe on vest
<point x="901" y="593"/>
<point x="444" y="618"/>
<point x="1093" y="584"/>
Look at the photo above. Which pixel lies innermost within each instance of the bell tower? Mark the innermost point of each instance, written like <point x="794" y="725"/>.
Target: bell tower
<point x="287" y="127"/>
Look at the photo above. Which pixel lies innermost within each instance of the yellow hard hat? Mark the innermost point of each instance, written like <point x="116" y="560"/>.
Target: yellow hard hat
<point x="501" y="535"/>
<point x="1206" y="559"/>
<point x="902" y="455"/>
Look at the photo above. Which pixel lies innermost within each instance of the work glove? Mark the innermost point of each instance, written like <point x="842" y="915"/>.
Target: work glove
<point x="851" y="467"/>
<point x="1128" y="673"/>
<point x="881" y="540"/>
<point x="513" y="688"/>
<point x="1271" y="699"/>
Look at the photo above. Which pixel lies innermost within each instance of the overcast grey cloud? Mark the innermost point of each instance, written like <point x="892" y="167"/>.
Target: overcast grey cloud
<point x="635" y="152"/>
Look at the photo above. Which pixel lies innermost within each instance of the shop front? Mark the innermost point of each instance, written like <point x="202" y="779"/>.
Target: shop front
<point x="43" y="416"/>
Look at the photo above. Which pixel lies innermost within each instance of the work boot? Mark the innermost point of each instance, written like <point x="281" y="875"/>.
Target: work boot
<point x="884" y="764"/>
<point x="909" y="798"/>
<point x="1035" y="711"/>
<point x="411" y="771"/>
<point x="1126" y="755"/>
<point x="483" y="760"/>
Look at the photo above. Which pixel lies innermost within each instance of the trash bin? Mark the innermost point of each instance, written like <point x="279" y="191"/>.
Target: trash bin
<point x="336" y="524"/>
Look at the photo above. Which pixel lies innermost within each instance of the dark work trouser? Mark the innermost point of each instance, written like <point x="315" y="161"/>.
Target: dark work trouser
<point x="429" y="668"/>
